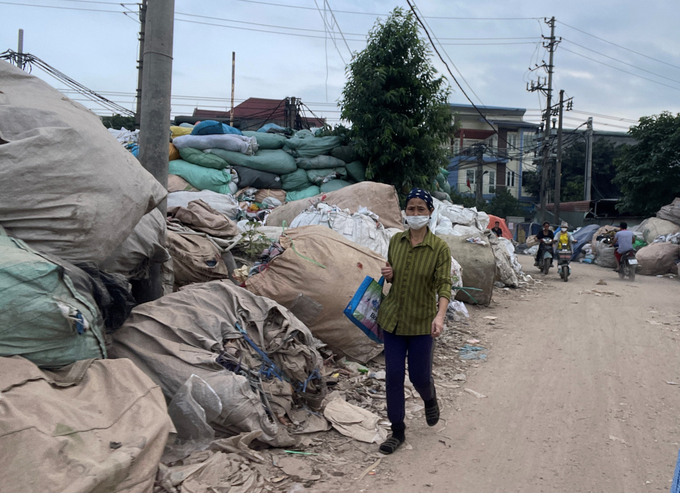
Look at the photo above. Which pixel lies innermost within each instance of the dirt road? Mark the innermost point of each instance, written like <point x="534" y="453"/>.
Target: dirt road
<point x="577" y="396"/>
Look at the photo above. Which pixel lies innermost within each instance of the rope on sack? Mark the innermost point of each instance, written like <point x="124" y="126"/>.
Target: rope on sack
<point x="465" y="290"/>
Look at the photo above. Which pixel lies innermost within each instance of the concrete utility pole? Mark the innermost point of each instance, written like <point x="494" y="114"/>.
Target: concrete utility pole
<point x="233" y="79"/>
<point x="20" y="50"/>
<point x="558" y="165"/>
<point x="552" y="44"/>
<point x="479" y="175"/>
<point x="140" y="62"/>
<point x="155" y="112"/>
<point x="589" y="160"/>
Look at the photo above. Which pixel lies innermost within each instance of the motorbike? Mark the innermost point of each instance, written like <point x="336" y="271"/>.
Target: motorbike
<point x="563" y="260"/>
<point x="628" y="265"/>
<point x="545" y="255"/>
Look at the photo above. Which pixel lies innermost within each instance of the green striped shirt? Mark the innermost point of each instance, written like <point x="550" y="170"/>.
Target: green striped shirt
<point x="422" y="274"/>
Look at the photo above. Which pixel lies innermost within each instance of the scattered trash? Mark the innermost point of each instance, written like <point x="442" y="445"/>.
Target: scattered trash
<point x="616" y="439"/>
<point x="353" y="421"/>
<point x="475" y="393"/>
<point x="468" y="352"/>
<point x="459" y="377"/>
<point x="489" y="317"/>
<point x="298" y="468"/>
<point x="601" y="282"/>
<point x="672" y="383"/>
<point x="369" y="469"/>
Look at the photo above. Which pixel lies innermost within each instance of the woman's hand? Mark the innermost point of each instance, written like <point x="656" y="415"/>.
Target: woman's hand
<point x="387" y="272"/>
<point x="437" y="326"/>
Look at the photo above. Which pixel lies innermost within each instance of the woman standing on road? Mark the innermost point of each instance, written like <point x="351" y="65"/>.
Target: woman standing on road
<point x="412" y="314"/>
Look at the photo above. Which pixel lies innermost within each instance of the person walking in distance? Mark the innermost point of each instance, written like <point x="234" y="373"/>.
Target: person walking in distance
<point x="412" y="314"/>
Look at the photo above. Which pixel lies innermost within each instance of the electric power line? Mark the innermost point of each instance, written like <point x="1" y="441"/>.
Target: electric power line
<point x="621" y="61"/>
<point x="621" y="70"/>
<point x="63" y="8"/>
<point x="619" y="46"/>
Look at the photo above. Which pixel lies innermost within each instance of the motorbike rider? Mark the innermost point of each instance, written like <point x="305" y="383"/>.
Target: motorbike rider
<point x="544" y="233"/>
<point x="623" y="240"/>
<point x="564" y="239"/>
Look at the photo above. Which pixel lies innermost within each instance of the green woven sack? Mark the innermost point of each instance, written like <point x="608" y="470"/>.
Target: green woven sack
<point x="202" y="178"/>
<point x="334" y="185"/>
<point x="43" y="317"/>
<point x="317" y="176"/>
<point x="319" y="162"/>
<point x="356" y="171"/>
<point x="302" y="145"/>
<point x="294" y="182"/>
<point x="278" y="161"/>
<point x="266" y="140"/>
<point x="303" y="194"/>
<point x="200" y="158"/>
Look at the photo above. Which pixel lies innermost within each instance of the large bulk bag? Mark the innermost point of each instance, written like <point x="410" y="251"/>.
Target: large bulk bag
<point x="319" y="162"/>
<point x="173" y="152"/>
<point x="216" y="180"/>
<point x="657" y="258"/>
<point x="653" y="227"/>
<point x="479" y="267"/>
<point x="334" y="185"/>
<point x="356" y="171"/>
<point x="378" y="198"/>
<point x="276" y="161"/>
<point x="67" y="187"/>
<point x="295" y="181"/>
<point x="307" y="193"/>
<point x="670" y="212"/>
<point x="43" y="316"/>
<point x="319" y="176"/>
<point x="144" y="246"/>
<point x="228" y="142"/>
<point x="91" y="427"/>
<point x="179" y="184"/>
<point x="212" y="127"/>
<point x="185" y="334"/>
<point x="267" y="140"/>
<point x="328" y="268"/>
<point x="304" y="144"/>
<point x="176" y="131"/>
<point x="226" y="204"/>
<point x="200" y="158"/>
<point x="248" y="177"/>
<point x="195" y="258"/>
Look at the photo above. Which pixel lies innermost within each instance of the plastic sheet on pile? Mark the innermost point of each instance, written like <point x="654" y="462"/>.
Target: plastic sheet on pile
<point x="378" y="198"/>
<point x="361" y="227"/>
<point x="228" y="142"/>
<point x="226" y="204"/>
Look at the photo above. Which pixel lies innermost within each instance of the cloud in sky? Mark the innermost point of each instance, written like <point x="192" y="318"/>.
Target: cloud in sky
<point x="99" y="49"/>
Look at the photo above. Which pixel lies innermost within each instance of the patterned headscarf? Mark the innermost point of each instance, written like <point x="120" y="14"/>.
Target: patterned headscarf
<point x="419" y="193"/>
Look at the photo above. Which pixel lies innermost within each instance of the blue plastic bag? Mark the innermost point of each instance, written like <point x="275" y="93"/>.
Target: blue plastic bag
<point x="212" y="127"/>
<point x="363" y="309"/>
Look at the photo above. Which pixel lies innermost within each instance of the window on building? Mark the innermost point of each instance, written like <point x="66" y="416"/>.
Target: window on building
<point x="510" y="179"/>
<point x="456" y="146"/>
<point x="470" y="178"/>
<point x="492" y="181"/>
<point x="512" y="142"/>
<point x="529" y="141"/>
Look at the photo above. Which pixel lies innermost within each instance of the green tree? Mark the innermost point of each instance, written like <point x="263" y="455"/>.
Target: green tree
<point x="119" y="121"/>
<point x="649" y="171"/>
<point x="503" y="204"/>
<point x="397" y="105"/>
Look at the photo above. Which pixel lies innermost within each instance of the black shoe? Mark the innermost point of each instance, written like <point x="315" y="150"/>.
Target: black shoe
<point x="432" y="412"/>
<point x="391" y="445"/>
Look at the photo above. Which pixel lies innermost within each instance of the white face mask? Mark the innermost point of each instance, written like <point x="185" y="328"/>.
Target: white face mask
<point x="417" y="222"/>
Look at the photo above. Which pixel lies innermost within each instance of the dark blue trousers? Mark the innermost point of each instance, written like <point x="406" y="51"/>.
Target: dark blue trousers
<point x="419" y="351"/>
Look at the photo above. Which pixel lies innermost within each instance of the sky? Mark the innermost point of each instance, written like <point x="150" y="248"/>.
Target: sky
<point x="284" y="48"/>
